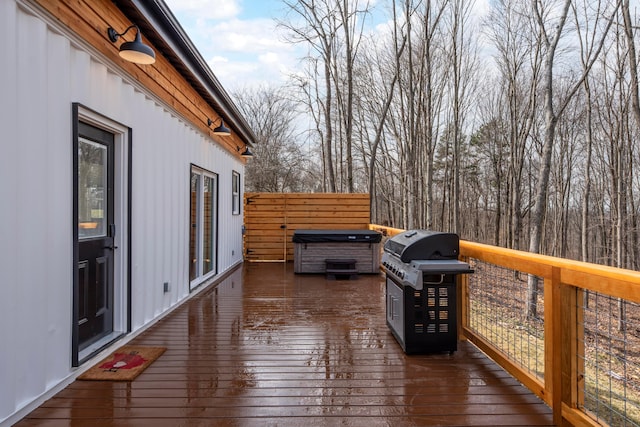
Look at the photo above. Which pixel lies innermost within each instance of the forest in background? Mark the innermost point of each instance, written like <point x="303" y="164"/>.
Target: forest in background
<point x="519" y="129"/>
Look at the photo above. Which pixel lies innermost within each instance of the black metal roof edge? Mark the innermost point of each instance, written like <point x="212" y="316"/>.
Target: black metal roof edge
<point x="171" y="33"/>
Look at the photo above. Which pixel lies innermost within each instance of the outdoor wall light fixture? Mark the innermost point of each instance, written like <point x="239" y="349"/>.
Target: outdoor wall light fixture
<point x="246" y="152"/>
<point x="135" y="51"/>
<point x="220" y="130"/>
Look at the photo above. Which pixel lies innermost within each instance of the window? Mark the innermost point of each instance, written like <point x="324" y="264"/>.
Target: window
<point x="235" y="193"/>
<point x="92" y="182"/>
<point x="203" y="232"/>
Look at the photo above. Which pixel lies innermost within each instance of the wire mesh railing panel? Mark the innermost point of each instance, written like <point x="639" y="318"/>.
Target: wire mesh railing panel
<point x="610" y="364"/>
<point x="506" y="308"/>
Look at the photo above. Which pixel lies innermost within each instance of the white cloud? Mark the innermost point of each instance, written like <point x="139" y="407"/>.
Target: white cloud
<point x="247" y="36"/>
<point x="219" y="60"/>
<point x="246" y="52"/>
<point x="269" y="58"/>
<point x="206" y="9"/>
<point x="241" y="49"/>
<point x="238" y="74"/>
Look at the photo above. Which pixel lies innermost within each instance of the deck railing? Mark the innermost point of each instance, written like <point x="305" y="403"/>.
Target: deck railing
<point x="568" y="330"/>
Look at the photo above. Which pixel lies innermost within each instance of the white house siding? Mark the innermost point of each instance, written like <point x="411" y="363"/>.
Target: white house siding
<point x="44" y="71"/>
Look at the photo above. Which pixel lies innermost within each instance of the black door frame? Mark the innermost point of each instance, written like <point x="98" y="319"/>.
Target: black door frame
<point x="125" y="233"/>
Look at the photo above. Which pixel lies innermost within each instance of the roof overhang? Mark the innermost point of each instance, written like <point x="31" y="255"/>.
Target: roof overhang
<point x="163" y="30"/>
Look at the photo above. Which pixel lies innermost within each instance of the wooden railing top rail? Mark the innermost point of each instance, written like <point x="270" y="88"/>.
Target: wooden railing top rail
<point x="612" y="281"/>
<point x="616" y="282"/>
<point x="387" y="231"/>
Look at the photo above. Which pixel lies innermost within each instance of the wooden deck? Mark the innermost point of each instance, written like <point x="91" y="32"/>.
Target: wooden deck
<point x="268" y="347"/>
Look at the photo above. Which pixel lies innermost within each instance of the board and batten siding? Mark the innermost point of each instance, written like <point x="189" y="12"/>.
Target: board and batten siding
<point x="272" y="218"/>
<point x="45" y="70"/>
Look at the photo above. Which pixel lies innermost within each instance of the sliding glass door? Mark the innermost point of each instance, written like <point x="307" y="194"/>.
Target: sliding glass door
<point x="203" y="233"/>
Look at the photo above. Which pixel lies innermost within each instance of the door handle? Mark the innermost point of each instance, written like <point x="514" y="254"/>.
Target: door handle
<point x="112" y="234"/>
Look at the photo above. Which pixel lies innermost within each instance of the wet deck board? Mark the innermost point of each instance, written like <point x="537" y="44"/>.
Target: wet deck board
<point x="268" y="347"/>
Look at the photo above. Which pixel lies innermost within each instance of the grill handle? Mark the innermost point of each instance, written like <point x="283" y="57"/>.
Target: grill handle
<point x="427" y="282"/>
<point x="393" y="302"/>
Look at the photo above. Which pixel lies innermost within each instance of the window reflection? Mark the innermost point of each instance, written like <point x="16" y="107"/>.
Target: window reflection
<point x="92" y="182"/>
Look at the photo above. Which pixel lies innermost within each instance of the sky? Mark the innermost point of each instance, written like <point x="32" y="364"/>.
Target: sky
<point x="241" y="41"/>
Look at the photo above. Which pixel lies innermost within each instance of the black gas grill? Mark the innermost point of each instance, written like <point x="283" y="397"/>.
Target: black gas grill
<point x="421" y="268"/>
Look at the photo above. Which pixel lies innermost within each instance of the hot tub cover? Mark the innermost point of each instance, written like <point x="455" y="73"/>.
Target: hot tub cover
<point x="316" y="236"/>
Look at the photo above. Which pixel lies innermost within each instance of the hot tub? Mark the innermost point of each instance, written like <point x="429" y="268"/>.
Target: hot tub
<point x="313" y="247"/>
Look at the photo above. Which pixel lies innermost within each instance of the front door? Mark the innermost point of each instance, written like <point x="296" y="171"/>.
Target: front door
<point x="96" y="233"/>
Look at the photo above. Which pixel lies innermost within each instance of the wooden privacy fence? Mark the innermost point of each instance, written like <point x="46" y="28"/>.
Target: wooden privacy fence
<point x="270" y="219"/>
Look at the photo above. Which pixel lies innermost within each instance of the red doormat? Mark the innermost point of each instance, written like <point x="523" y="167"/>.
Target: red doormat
<point x="124" y="364"/>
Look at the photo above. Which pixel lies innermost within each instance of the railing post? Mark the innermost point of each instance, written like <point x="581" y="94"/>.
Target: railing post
<point x="563" y="369"/>
<point x="578" y="368"/>
<point x="554" y="342"/>
<point x="463" y="302"/>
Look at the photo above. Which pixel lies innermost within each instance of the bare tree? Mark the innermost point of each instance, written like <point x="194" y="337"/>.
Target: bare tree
<point x="351" y="20"/>
<point x="635" y="108"/>
<point x="490" y="142"/>
<point x="332" y="29"/>
<point x="379" y="75"/>
<point x="415" y="116"/>
<point x="317" y="30"/>
<point x="463" y="79"/>
<point x="518" y="61"/>
<point x="550" y="38"/>
<point x="278" y="165"/>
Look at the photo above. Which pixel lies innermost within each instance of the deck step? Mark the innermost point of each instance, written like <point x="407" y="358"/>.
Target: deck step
<point x="342" y="271"/>
<point x="342" y="274"/>
<point x="343" y="268"/>
<point x="340" y="263"/>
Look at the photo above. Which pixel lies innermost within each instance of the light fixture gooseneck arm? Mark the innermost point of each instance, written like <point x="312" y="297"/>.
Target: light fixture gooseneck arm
<point x="114" y="36"/>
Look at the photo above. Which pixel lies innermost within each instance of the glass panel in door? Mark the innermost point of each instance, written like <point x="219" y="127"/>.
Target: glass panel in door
<point x="92" y="183"/>
<point x="208" y="261"/>
<point x="193" y="233"/>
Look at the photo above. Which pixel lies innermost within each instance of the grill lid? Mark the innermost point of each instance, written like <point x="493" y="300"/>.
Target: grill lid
<point x="423" y="245"/>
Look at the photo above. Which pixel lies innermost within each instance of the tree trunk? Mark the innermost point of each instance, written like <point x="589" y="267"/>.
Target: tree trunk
<point x="328" y="149"/>
<point x="542" y="186"/>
